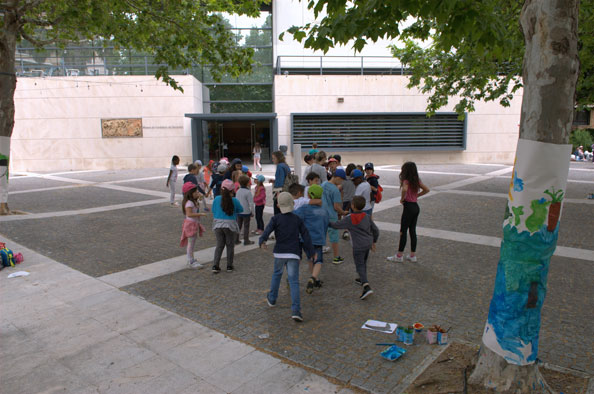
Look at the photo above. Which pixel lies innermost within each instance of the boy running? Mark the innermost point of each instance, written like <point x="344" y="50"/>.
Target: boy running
<point x="332" y="203"/>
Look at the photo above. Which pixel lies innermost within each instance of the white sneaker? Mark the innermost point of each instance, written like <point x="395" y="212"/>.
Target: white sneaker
<point x="412" y="259"/>
<point x="196" y="264"/>
<point x="175" y="204"/>
<point x="325" y="249"/>
<point x="395" y="259"/>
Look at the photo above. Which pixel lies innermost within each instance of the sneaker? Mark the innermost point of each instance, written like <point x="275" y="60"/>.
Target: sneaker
<point x="229" y="268"/>
<point x="412" y="259"/>
<point x="246" y="243"/>
<point x="174" y="204"/>
<point x="325" y="249"/>
<point x="216" y="269"/>
<point x="196" y="264"/>
<point x="395" y="259"/>
<point x="237" y="242"/>
<point x="338" y="260"/>
<point x="310" y="285"/>
<point x="345" y="235"/>
<point x="358" y="281"/>
<point x="366" y="292"/>
<point x="319" y="283"/>
<point x="270" y="304"/>
<point x="297" y="317"/>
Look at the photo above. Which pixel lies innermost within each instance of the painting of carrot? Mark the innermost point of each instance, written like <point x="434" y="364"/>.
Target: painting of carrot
<point x="555" y="208"/>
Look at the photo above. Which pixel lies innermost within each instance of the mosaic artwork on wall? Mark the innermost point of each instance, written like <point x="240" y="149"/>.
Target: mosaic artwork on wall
<point x="111" y="128"/>
<point x="530" y="231"/>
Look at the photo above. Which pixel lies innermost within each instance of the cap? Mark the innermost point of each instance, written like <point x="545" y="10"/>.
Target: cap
<point x="260" y="178"/>
<point x="222" y="168"/>
<point x="369" y="166"/>
<point x="224" y="160"/>
<point x="198" y="163"/>
<point x="244" y="169"/>
<point x="356" y="174"/>
<point x="228" y="184"/>
<point x="315" y="191"/>
<point x="340" y="173"/>
<point x="187" y="187"/>
<point x="285" y="202"/>
<point x="332" y="160"/>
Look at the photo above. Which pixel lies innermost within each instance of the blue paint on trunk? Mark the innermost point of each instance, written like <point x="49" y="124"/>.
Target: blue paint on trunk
<point x="524" y="260"/>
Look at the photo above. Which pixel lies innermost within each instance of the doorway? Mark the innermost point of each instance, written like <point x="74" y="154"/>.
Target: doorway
<point x="236" y="139"/>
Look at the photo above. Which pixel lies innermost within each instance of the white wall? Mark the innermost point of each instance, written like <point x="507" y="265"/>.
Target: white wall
<point x="492" y="129"/>
<point x="58" y="122"/>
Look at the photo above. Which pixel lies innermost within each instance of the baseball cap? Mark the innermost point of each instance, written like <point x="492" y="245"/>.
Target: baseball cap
<point x="228" y="184"/>
<point x="332" y="160"/>
<point x="244" y="169"/>
<point x="315" y="191"/>
<point x="198" y="162"/>
<point x="369" y="166"/>
<point x="340" y="173"/>
<point x="285" y="202"/>
<point x="187" y="187"/>
<point x="260" y="178"/>
<point x="356" y="174"/>
<point x="222" y="168"/>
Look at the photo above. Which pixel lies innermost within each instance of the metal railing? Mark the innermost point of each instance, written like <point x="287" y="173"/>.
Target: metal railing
<point x="339" y="65"/>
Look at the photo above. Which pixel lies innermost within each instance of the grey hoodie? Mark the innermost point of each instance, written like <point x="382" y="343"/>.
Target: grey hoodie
<point x="364" y="232"/>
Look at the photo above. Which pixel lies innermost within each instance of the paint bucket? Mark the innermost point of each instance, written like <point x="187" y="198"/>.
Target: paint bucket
<point x="431" y="337"/>
<point x="400" y="334"/>
<point x="442" y="338"/>
<point x="409" y="337"/>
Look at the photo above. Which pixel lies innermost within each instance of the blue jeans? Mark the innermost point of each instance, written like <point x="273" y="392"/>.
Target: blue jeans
<point x="293" y="272"/>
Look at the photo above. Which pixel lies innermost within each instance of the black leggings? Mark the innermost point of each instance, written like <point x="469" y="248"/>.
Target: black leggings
<point x="409" y="223"/>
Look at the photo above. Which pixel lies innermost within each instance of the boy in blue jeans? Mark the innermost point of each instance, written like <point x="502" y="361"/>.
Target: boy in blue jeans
<point x="332" y="203"/>
<point x="316" y="221"/>
<point x="287" y="228"/>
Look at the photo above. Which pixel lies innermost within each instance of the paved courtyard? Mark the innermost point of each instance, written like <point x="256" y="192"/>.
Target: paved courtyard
<point x="117" y="227"/>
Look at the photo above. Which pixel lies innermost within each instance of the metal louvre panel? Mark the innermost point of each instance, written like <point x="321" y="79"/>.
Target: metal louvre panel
<point x="377" y="131"/>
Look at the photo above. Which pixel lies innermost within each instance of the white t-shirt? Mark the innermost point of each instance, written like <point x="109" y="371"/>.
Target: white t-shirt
<point x="364" y="190"/>
<point x="298" y="203"/>
<point x="190" y="204"/>
<point x="173" y="169"/>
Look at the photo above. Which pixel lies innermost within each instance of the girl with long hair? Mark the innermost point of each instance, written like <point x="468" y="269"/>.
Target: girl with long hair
<point x="225" y="208"/>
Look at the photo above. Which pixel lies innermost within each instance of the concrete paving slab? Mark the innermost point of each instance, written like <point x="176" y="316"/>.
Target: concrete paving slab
<point x="314" y="384"/>
<point x="223" y="356"/>
<point x="202" y="387"/>
<point x="205" y="344"/>
<point x="241" y="371"/>
<point x="279" y="378"/>
<point x="48" y="377"/>
<point x="128" y="316"/>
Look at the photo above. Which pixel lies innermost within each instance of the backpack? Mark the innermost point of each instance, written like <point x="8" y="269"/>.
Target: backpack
<point x="7" y="257"/>
<point x="290" y="179"/>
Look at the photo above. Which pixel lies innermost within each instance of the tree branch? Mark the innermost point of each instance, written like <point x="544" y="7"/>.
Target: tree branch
<point x="35" y="41"/>
<point x="29" y="5"/>
<point x="154" y="15"/>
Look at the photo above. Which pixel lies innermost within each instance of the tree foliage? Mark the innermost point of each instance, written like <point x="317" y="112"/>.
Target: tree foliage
<point x="470" y="49"/>
<point x="178" y="33"/>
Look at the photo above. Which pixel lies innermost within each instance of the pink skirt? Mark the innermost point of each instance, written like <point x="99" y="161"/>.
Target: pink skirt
<point x="189" y="230"/>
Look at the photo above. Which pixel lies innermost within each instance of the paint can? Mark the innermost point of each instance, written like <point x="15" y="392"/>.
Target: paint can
<point x="409" y="336"/>
<point x="400" y="334"/>
<point x="442" y="338"/>
<point x="431" y="337"/>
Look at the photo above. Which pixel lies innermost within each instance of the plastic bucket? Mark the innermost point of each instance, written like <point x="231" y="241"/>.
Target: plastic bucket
<point x="442" y="338"/>
<point x="431" y="337"/>
<point x="409" y="338"/>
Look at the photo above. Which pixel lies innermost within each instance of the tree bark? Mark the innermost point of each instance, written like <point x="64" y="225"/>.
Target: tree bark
<point x="8" y="39"/>
<point x="508" y="357"/>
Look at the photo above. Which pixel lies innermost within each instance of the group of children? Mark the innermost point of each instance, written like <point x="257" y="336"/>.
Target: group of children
<point x="331" y="198"/>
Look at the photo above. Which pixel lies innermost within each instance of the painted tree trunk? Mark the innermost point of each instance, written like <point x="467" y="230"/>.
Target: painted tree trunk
<point x="8" y="38"/>
<point x="508" y="357"/>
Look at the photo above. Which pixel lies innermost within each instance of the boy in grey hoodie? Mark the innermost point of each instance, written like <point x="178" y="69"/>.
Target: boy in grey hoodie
<point x="244" y="195"/>
<point x="364" y="235"/>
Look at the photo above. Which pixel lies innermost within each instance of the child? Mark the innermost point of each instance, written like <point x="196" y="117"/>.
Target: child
<point x="409" y="186"/>
<point x="332" y="165"/>
<point x="287" y="252"/>
<point x="362" y="189"/>
<point x="372" y="179"/>
<point x="318" y="166"/>
<point x="192" y="177"/>
<point x="244" y="195"/>
<point x="312" y="179"/>
<point x="316" y="221"/>
<point x="348" y="192"/>
<point x="339" y="159"/>
<point x="235" y="178"/>
<point x="171" y="179"/>
<point x="314" y="149"/>
<point x="297" y="191"/>
<point x="225" y="209"/>
<point x="308" y="159"/>
<point x="202" y="182"/>
<point x="364" y="235"/>
<point x="257" y="152"/>
<point x="260" y="203"/>
<point x="332" y="203"/>
<point x="191" y="226"/>
<point x="217" y="179"/>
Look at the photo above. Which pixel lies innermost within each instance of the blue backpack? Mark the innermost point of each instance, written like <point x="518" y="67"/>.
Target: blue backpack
<point x="7" y="257"/>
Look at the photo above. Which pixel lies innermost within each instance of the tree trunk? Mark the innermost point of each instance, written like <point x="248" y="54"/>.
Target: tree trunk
<point x="507" y="361"/>
<point x="8" y="39"/>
